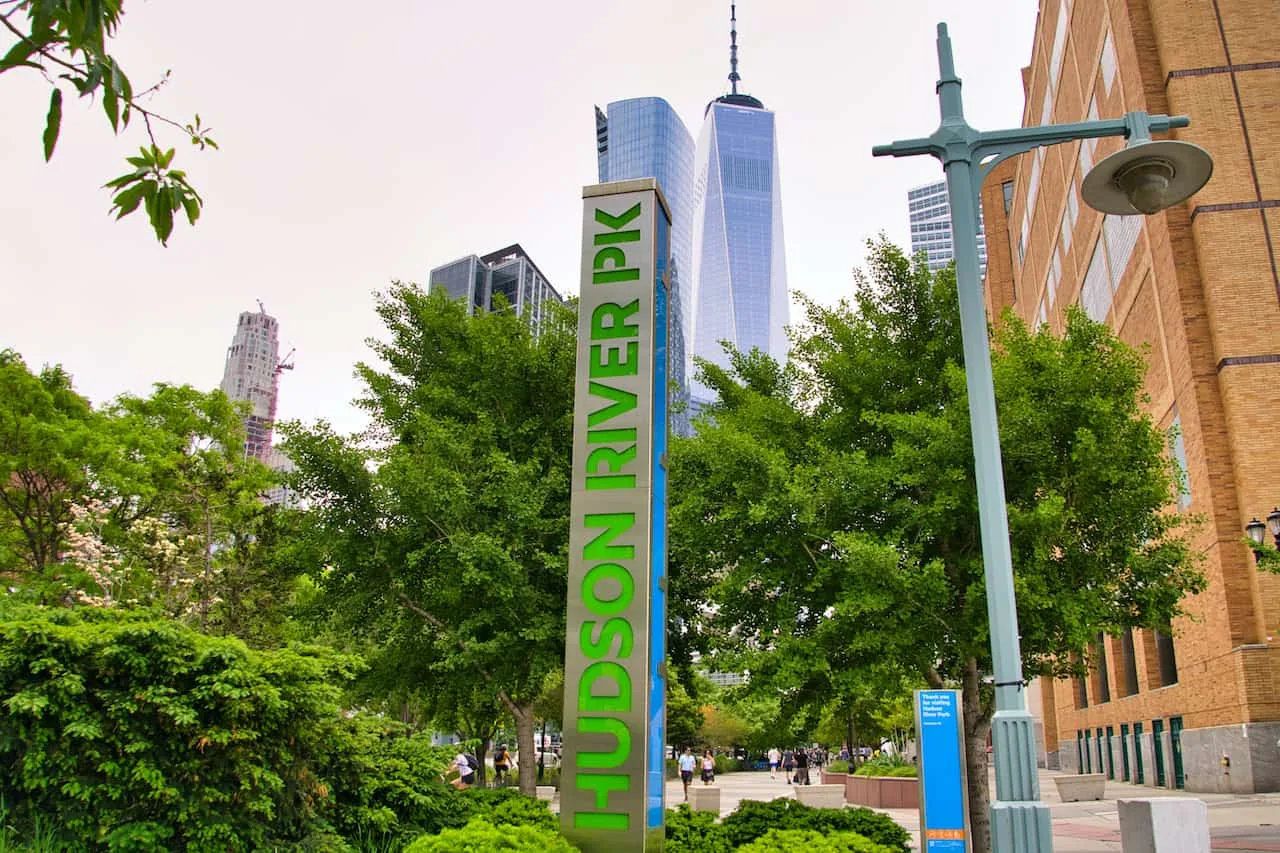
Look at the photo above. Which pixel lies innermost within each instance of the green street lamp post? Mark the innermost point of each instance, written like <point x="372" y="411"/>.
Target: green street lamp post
<point x="1145" y="177"/>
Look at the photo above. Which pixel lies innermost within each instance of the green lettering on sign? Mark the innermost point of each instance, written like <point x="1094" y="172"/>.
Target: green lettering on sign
<point x="615" y="524"/>
<point x="612" y="606"/>
<point x="623" y="402"/>
<point x="617" y="315"/>
<point x="592" y="678"/>
<point x="596" y="645"/>
<point x="606" y="726"/>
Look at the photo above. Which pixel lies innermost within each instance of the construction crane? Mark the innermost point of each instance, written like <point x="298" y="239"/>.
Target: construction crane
<point x="285" y="363"/>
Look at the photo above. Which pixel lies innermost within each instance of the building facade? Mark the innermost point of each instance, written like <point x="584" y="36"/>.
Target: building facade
<point x="929" y="212"/>
<point x="740" y="271"/>
<point x="1196" y="705"/>
<point x="252" y="374"/>
<point x="508" y="276"/>
<point x="644" y="138"/>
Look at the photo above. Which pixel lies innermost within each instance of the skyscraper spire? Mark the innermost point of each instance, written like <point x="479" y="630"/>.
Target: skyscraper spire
<point x="733" y="47"/>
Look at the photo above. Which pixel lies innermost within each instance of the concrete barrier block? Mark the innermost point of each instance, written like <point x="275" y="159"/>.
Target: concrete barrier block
<point x="1082" y="786"/>
<point x="821" y="796"/>
<point x="704" y="798"/>
<point x="546" y="792"/>
<point x="1164" y="825"/>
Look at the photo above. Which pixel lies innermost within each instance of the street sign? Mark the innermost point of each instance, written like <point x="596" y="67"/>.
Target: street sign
<point x="944" y="800"/>
<point x="611" y="782"/>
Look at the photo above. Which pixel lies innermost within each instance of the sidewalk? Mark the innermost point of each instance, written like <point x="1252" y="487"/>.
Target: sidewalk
<point x="1238" y="823"/>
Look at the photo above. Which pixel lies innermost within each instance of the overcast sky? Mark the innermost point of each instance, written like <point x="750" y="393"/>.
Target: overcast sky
<point x="362" y="143"/>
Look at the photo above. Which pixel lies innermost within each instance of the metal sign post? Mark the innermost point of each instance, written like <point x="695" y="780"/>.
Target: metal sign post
<point x="611" y="784"/>
<point x="944" y="793"/>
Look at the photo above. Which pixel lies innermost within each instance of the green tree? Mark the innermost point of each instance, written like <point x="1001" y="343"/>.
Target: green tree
<point x="832" y="502"/>
<point x="684" y="716"/>
<point x="50" y="443"/>
<point x="67" y="43"/>
<point x="445" y="531"/>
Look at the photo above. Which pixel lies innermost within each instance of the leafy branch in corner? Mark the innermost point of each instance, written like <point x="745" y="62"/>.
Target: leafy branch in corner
<point x="65" y="41"/>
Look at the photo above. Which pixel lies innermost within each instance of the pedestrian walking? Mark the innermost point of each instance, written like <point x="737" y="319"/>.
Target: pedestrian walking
<point x="775" y="758"/>
<point x="501" y="765"/>
<point x="708" y="768"/>
<point x="687" y="762"/>
<point x="802" y="767"/>
<point x="789" y="764"/>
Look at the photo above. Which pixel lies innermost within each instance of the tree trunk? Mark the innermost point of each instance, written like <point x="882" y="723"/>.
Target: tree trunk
<point x="853" y="746"/>
<point x="524" y="742"/>
<point x="977" y="725"/>
<point x="480" y="771"/>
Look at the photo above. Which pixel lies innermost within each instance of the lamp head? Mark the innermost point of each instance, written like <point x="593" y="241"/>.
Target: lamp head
<point x="1255" y="530"/>
<point x="1147" y="177"/>
<point x="1273" y="522"/>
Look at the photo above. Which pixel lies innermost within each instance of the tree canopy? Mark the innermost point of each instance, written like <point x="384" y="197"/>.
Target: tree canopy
<point x="444" y="530"/>
<point x="828" y="507"/>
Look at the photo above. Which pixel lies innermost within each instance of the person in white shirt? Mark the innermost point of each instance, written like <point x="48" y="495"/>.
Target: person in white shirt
<point x="775" y="758"/>
<point x="687" y="763"/>
<point x="466" y="773"/>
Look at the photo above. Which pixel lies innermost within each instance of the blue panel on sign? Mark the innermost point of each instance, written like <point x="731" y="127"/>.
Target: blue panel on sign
<point x="941" y="772"/>
<point x="655" y="806"/>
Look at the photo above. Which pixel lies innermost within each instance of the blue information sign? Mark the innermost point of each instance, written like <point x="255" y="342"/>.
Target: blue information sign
<point x="944" y="822"/>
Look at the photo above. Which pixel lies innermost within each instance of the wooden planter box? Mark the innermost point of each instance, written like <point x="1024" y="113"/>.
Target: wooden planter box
<point x="833" y="778"/>
<point x="882" y="792"/>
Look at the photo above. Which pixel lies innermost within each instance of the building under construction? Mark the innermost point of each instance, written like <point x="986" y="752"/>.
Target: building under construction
<point x="252" y="373"/>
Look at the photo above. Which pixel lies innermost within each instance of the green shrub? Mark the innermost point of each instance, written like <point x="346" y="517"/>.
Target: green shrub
<point x="882" y="764"/>
<point x="753" y="819"/>
<point x="811" y="841"/>
<point x="721" y="764"/>
<point x="893" y="771"/>
<point x="838" y="766"/>
<point x="384" y="783"/>
<point x="550" y="776"/>
<point x="672" y="768"/>
<point x="128" y="731"/>
<point x="872" y="825"/>
<point x="481" y="836"/>
<point x="694" y="832"/>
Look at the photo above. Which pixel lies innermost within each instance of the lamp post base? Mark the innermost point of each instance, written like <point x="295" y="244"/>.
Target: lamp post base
<point x="1020" y="827"/>
<point x="1019" y="821"/>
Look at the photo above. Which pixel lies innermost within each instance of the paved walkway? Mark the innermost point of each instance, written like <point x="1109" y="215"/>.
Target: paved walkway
<point x="1237" y="822"/>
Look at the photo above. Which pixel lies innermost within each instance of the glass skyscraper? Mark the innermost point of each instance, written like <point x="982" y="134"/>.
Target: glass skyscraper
<point x="930" y="214"/>
<point x="644" y="138"/>
<point x="740" y="272"/>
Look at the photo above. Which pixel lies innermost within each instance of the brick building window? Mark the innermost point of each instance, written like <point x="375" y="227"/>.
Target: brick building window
<point x="1129" y="664"/>
<point x="1095" y="295"/>
<point x="1098" y="674"/>
<point x="1121" y="233"/>
<point x="1108" y="62"/>
<point x="1168" y="661"/>
<point x="1178" y="448"/>
<point x="1007" y="189"/>
<point x="1081" y="693"/>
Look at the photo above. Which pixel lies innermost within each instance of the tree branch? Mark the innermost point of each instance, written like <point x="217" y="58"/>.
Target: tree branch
<point x="435" y="622"/>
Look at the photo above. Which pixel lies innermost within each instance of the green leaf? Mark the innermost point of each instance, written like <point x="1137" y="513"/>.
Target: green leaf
<point x="191" y="204"/>
<point x="111" y="104"/>
<point x="18" y="56"/>
<point x="162" y="216"/>
<point x="127" y="201"/>
<point x="53" y="123"/>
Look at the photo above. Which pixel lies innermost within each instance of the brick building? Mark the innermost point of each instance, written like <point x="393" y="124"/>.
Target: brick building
<point x="1197" y="705"/>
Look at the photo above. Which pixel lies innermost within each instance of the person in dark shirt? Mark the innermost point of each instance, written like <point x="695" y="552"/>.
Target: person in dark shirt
<point x="802" y="767"/>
